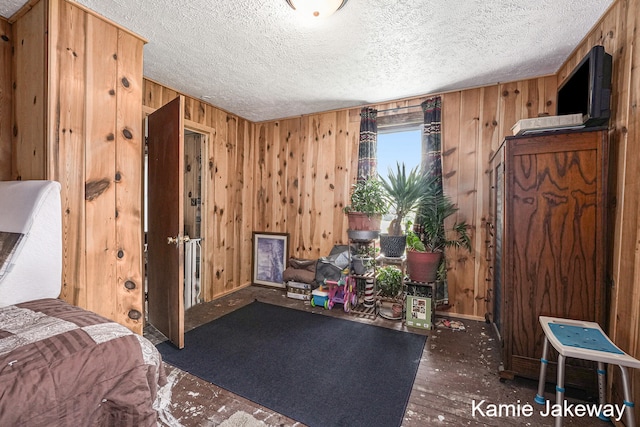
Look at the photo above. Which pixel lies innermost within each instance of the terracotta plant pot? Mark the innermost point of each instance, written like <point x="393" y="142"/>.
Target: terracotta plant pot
<point x="362" y="221"/>
<point x="396" y="310"/>
<point x="423" y="266"/>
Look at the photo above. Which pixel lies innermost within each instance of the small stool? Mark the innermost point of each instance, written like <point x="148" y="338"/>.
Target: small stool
<point x="583" y="340"/>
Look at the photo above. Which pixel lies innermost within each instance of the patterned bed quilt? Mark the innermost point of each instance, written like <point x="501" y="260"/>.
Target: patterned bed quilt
<point x="61" y="365"/>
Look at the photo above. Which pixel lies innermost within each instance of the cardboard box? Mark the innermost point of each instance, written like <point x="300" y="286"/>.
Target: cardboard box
<point x="299" y="290"/>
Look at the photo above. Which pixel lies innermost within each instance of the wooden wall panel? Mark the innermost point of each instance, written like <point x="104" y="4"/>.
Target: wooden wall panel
<point x="237" y="134"/>
<point x="227" y="170"/>
<point x="461" y="263"/>
<point x="247" y="153"/>
<point x="6" y="42"/>
<point x="220" y="212"/>
<point x="452" y="129"/>
<point x="265" y="181"/>
<point x="100" y="171"/>
<point x="322" y="138"/>
<point x="345" y="153"/>
<point x="211" y="246"/>
<point x="129" y="183"/>
<point x="290" y="134"/>
<point x="483" y="238"/>
<point x="66" y="141"/>
<point x="29" y="105"/>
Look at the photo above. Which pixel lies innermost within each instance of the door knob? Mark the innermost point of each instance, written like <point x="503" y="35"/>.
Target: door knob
<point x="177" y="240"/>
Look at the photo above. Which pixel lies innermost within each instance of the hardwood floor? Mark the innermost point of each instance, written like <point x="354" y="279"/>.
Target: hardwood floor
<point x="457" y="369"/>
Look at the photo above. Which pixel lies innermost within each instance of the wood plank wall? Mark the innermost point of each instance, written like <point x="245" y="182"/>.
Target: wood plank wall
<point x="78" y="121"/>
<point x="6" y="36"/>
<point x="96" y="152"/>
<point x="303" y="175"/>
<point x="618" y="32"/>
<point x="29" y="103"/>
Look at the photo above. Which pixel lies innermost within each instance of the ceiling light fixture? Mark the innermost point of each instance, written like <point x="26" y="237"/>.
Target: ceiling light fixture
<point x="317" y="8"/>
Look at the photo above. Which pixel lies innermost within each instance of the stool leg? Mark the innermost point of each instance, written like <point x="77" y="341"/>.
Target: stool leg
<point x="627" y="397"/>
<point x="560" y="387"/>
<point x="601" y="390"/>
<point x="539" y="399"/>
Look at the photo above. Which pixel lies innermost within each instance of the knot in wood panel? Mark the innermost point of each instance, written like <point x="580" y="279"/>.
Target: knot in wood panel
<point x="93" y="189"/>
<point x="134" y="315"/>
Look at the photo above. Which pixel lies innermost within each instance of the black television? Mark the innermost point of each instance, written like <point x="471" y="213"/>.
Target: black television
<point x="587" y="90"/>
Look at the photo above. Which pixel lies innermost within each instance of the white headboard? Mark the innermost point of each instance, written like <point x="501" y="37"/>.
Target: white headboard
<point x="34" y="269"/>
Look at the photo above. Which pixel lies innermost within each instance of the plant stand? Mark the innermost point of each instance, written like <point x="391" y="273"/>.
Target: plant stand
<point x="400" y="262"/>
<point x="385" y="304"/>
<point x="365" y="283"/>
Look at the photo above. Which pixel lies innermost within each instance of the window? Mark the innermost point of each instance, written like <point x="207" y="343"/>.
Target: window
<point x="398" y="147"/>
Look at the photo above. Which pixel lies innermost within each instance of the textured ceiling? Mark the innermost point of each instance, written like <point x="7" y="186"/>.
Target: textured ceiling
<point x="259" y="60"/>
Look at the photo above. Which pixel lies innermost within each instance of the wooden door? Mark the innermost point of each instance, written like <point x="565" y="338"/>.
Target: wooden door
<point x="165" y="269"/>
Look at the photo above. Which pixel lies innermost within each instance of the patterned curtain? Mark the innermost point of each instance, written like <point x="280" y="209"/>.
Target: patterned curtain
<point x="431" y="163"/>
<point x="368" y="146"/>
<point x="431" y="138"/>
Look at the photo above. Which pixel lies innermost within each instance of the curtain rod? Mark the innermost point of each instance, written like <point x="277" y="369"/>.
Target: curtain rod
<point x="400" y="108"/>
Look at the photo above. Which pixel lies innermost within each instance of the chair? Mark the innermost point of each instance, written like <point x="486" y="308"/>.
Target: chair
<point x="583" y="340"/>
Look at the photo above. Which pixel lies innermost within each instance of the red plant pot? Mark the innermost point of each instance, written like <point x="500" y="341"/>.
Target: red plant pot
<point x="423" y="266"/>
<point x="362" y="221"/>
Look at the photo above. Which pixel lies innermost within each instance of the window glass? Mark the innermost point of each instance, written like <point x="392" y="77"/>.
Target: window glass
<point x="398" y="147"/>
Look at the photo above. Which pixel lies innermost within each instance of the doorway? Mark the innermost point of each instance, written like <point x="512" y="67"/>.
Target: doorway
<point x="193" y="148"/>
<point x="173" y="222"/>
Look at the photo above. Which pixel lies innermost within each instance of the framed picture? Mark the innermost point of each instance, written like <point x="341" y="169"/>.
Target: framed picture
<point x="270" y="253"/>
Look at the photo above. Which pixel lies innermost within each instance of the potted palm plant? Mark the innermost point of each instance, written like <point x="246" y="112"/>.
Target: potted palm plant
<point x="366" y="208"/>
<point x="402" y="193"/>
<point x="427" y="242"/>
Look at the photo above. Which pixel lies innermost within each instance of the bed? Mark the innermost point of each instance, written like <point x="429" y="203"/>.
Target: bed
<point x="61" y="365"/>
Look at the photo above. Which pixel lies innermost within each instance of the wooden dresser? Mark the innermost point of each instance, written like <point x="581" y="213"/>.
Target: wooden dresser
<point x="549" y="242"/>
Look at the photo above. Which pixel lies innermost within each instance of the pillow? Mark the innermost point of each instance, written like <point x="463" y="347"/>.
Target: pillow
<point x="303" y="264"/>
<point x="298" y="275"/>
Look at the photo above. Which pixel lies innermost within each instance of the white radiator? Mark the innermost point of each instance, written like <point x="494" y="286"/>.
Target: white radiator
<point x="192" y="251"/>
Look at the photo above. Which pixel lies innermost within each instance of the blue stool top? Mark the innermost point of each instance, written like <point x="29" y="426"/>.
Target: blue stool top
<point x="581" y="337"/>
